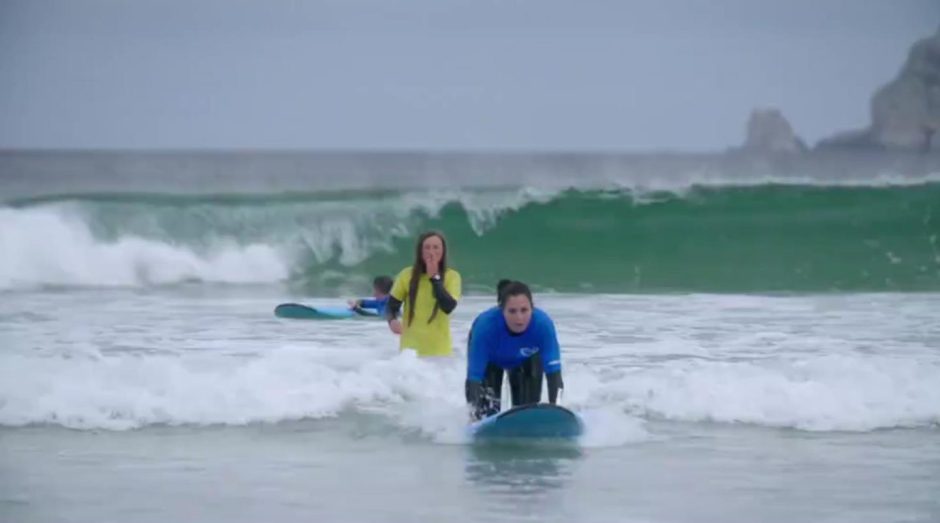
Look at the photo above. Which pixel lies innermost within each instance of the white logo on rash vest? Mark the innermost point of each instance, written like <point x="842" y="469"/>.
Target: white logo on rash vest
<point x="528" y="351"/>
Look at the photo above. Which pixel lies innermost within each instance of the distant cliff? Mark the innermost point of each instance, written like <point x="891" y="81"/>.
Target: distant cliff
<point x="905" y="113"/>
<point x="768" y="132"/>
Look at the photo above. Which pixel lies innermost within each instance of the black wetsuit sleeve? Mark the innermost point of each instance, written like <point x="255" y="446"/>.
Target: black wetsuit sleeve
<point x="392" y="308"/>
<point x="473" y="391"/>
<point x="444" y="299"/>
<point x="554" y="385"/>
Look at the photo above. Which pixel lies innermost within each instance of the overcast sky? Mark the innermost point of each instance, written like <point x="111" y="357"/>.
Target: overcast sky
<point x="441" y="74"/>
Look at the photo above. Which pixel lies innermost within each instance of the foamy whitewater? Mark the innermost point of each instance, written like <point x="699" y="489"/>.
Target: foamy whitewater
<point x="167" y="392"/>
<point x="147" y="246"/>
<point x="132" y="360"/>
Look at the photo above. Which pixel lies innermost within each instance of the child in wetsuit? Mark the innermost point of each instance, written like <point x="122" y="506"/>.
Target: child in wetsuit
<point x="381" y="287"/>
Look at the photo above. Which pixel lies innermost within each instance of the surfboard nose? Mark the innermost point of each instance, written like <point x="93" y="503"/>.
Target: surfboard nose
<point x="540" y="420"/>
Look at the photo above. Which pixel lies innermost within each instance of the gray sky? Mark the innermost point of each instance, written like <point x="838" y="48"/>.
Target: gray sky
<point x="441" y="74"/>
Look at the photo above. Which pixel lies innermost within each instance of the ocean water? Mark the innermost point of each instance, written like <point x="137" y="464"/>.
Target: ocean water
<point x="748" y="351"/>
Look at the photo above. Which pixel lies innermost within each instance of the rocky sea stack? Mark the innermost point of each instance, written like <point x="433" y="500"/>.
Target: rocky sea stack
<point x="768" y="132"/>
<point x="905" y="113"/>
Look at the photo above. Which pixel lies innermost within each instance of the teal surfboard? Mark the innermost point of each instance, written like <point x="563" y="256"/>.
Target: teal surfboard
<point x="537" y="421"/>
<point x="297" y="311"/>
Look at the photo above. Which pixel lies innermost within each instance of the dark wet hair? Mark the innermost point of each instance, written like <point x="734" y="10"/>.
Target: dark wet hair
<point x="383" y="283"/>
<point x="514" y="288"/>
<point x="418" y="269"/>
<point x="500" y="287"/>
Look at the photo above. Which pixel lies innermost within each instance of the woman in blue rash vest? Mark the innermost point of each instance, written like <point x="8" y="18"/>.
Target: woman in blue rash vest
<point x="518" y="338"/>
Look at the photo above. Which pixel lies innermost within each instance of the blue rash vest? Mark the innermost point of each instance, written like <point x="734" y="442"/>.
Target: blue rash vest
<point x="491" y="341"/>
<point x="377" y="304"/>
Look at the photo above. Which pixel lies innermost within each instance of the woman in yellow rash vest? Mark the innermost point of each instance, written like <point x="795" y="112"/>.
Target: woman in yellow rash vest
<point x="429" y="291"/>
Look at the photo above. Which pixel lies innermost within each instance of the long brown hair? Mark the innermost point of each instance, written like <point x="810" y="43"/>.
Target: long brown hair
<point x="419" y="268"/>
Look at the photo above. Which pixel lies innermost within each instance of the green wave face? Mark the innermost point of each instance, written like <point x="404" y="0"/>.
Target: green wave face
<point x="762" y="238"/>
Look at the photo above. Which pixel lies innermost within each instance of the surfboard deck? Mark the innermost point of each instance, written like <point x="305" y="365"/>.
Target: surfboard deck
<point x="538" y="421"/>
<point x="297" y="311"/>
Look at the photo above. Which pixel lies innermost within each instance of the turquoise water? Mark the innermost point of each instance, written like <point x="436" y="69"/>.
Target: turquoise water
<point x="763" y="238"/>
<point x="742" y="344"/>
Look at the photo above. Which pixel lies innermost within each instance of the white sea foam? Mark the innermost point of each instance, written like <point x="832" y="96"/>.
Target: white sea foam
<point x="129" y="391"/>
<point x="50" y="247"/>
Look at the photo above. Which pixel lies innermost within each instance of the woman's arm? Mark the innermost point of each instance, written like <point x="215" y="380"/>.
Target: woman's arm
<point x="551" y="360"/>
<point x="444" y="299"/>
<point x="554" y="385"/>
<point x="391" y="310"/>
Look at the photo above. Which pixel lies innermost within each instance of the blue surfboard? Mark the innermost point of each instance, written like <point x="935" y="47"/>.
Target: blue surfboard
<point x="538" y="420"/>
<point x="297" y="311"/>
